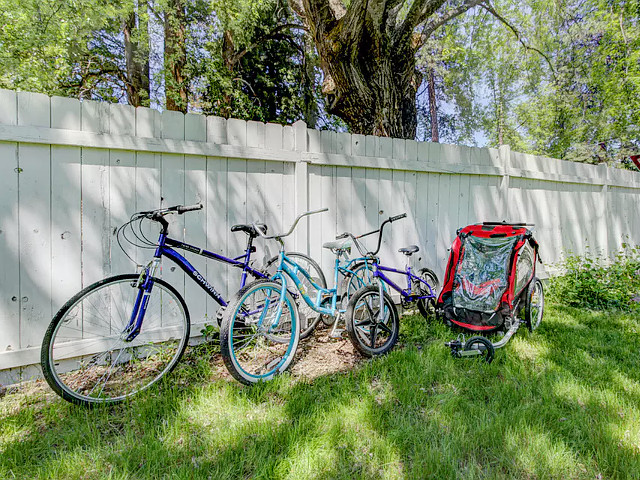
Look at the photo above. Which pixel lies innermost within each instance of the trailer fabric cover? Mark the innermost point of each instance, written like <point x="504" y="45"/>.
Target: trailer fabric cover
<point x="482" y="274"/>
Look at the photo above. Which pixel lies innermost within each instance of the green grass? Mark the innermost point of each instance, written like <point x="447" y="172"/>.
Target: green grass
<point x="562" y="403"/>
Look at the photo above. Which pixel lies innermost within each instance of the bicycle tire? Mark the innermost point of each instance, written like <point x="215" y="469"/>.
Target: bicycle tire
<point x="427" y="308"/>
<point x="485" y="347"/>
<point x="309" y="318"/>
<point x="91" y="320"/>
<point x="361" y="315"/>
<point x="534" y="304"/>
<point x="250" y="366"/>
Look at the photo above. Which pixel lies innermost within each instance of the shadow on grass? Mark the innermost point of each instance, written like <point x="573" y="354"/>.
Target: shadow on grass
<point x="559" y="403"/>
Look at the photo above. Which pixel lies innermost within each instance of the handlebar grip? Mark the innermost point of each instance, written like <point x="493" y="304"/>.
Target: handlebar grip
<point x="188" y="208"/>
<point x="342" y="235"/>
<point x="397" y="217"/>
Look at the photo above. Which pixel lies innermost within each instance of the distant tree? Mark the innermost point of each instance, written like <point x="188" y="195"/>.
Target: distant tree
<point x="255" y="63"/>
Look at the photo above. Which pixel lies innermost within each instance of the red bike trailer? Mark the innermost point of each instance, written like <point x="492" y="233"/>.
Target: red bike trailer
<point x="490" y="280"/>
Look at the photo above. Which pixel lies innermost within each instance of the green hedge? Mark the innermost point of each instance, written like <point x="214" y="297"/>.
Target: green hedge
<point x="594" y="282"/>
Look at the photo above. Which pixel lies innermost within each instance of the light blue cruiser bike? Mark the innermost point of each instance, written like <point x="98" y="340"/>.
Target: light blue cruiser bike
<point x="262" y="325"/>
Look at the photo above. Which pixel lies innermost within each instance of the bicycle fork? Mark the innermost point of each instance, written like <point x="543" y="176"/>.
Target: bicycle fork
<point x="144" y="285"/>
<point x="376" y="275"/>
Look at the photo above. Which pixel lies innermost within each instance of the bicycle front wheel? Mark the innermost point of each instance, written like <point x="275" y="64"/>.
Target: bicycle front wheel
<point x="371" y="331"/>
<point x="88" y="357"/>
<point x="260" y="332"/>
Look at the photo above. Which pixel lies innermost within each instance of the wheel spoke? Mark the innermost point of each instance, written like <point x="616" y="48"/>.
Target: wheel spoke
<point x="384" y="327"/>
<point x="370" y="308"/>
<point x="88" y="361"/>
<point x="372" y="335"/>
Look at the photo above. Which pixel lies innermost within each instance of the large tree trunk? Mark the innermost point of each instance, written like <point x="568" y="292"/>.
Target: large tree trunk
<point x="175" y="56"/>
<point x="373" y="89"/>
<point x="367" y="52"/>
<point x="136" y="49"/>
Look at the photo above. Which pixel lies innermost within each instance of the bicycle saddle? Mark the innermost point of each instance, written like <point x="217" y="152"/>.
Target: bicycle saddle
<point x="249" y="230"/>
<point x="338" y="245"/>
<point x="409" y="250"/>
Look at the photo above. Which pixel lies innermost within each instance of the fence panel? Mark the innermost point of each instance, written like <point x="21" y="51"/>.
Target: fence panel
<point x="72" y="172"/>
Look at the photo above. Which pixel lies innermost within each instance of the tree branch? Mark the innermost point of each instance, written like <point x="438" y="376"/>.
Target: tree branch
<point x="351" y="25"/>
<point x="99" y="73"/>
<point x="298" y="7"/>
<point x="436" y="23"/>
<point x="268" y="36"/>
<point x="319" y="17"/>
<point x="487" y="6"/>
<point x="419" y="11"/>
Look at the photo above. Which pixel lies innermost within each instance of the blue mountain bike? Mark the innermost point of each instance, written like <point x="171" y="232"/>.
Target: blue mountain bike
<point x="122" y="334"/>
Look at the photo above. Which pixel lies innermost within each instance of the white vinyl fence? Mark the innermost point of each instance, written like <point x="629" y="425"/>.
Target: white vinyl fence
<point x="72" y="172"/>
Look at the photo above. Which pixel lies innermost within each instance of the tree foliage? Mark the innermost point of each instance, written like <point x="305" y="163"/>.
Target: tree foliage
<point x="233" y="58"/>
<point x="553" y="77"/>
<point x="258" y="66"/>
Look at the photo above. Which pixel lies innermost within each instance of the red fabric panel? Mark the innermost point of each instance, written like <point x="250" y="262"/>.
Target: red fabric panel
<point x="484" y="289"/>
<point x="473" y="327"/>
<point x="454" y="257"/>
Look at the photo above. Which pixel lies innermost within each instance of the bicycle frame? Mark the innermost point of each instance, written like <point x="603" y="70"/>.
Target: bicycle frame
<point x="164" y="248"/>
<point x="285" y="265"/>
<point x="407" y="294"/>
<point x="346" y="269"/>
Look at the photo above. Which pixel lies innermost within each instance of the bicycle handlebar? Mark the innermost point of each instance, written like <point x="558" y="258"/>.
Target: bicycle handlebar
<point x="388" y="220"/>
<point x="359" y="245"/>
<point x="295" y="222"/>
<point x="159" y="214"/>
<point x="355" y="240"/>
<point x="397" y="217"/>
<point x="188" y="208"/>
<point x="179" y="209"/>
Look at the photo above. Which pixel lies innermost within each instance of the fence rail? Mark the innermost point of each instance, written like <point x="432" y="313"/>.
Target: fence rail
<point x="71" y="172"/>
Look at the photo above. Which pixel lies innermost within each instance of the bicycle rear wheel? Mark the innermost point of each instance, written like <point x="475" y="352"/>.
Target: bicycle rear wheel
<point x="86" y="357"/>
<point x="370" y="334"/>
<point x="360" y="275"/>
<point x="309" y="318"/>
<point x="427" y="308"/>
<point x="260" y="332"/>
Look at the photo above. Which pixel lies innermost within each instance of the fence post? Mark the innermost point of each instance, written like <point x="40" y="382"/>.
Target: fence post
<point x="606" y="213"/>
<point x="301" y="179"/>
<point x="505" y="156"/>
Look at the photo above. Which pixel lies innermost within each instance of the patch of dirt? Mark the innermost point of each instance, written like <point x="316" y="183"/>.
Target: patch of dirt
<point x="320" y="355"/>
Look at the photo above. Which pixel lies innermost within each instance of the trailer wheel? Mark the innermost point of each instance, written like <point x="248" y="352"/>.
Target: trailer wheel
<point x="483" y="344"/>
<point x="534" y="304"/>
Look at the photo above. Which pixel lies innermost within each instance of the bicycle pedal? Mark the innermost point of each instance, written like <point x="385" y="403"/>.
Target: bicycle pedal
<point x="337" y="333"/>
<point x="219" y="315"/>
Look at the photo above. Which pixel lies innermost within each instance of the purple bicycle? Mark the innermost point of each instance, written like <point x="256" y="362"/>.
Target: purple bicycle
<point x="372" y="319"/>
<point x="122" y="334"/>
